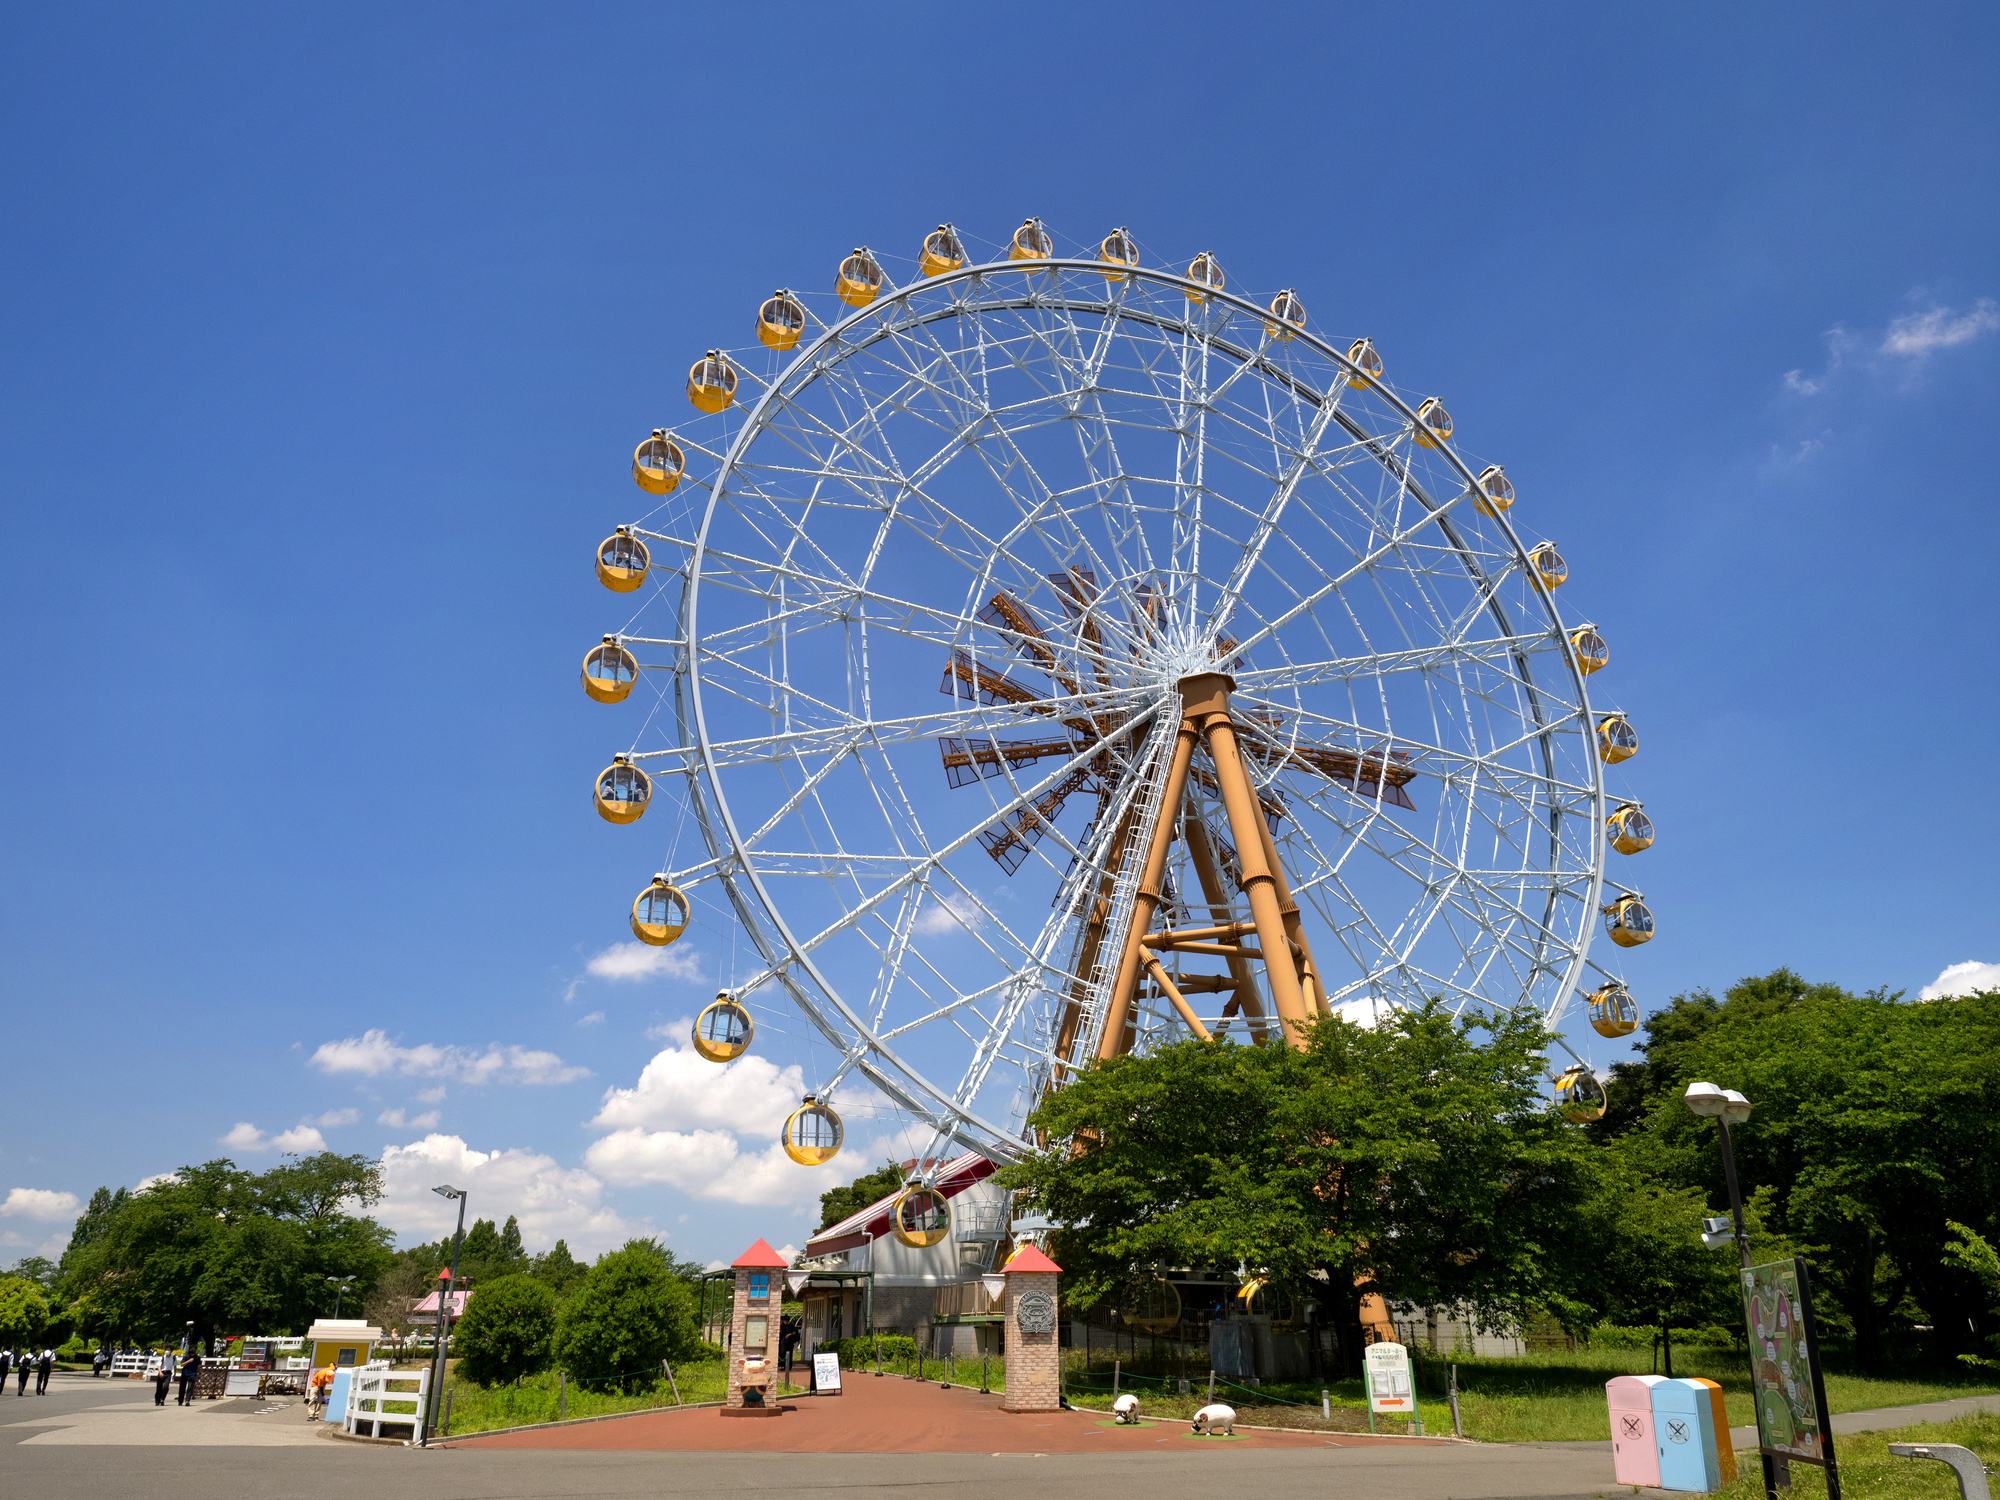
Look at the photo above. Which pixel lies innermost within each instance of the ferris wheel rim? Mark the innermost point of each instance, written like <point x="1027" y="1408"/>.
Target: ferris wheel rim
<point x="937" y="1107"/>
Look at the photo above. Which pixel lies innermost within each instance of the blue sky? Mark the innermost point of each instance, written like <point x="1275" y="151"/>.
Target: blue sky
<point x="328" y="334"/>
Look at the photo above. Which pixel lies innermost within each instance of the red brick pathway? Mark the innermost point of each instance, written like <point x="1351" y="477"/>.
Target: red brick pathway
<point x="893" y="1415"/>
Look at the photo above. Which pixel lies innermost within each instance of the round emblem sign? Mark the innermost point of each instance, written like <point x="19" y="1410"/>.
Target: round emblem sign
<point x="1035" y="1312"/>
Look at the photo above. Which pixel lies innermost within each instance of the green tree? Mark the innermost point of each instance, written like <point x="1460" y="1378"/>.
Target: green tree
<point x="1418" y="1159"/>
<point x="630" y="1313"/>
<point x="837" y="1203"/>
<point x="1654" y="1268"/>
<point x="24" y="1312"/>
<point x="1970" y="1252"/>
<point x="558" y="1270"/>
<point x="507" y="1331"/>
<point x="482" y="1256"/>
<point x="510" y="1243"/>
<point x="1872" y="1128"/>
<point x="36" y="1268"/>
<point x="95" y="1218"/>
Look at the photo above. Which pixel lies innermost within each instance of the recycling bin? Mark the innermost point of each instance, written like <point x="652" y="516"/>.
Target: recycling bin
<point x="1684" y="1433"/>
<point x="1635" y="1458"/>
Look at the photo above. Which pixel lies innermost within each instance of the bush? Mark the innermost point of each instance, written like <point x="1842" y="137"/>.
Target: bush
<point x="630" y="1313"/>
<point x="24" y="1311"/>
<point x="508" y="1331"/>
<point x="858" y="1353"/>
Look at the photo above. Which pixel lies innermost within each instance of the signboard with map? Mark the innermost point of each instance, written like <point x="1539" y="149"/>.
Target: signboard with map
<point x="1784" y="1364"/>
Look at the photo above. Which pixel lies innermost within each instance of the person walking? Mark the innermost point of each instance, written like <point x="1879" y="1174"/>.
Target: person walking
<point x="164" y="1374"/>
<point x="44" y="1368"/>
<point x="6" y="1365"/>
<point x="190" y="1367"/>
<point x="22" y="1362"/>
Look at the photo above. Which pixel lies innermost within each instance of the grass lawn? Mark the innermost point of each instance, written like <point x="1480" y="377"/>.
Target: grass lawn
<point x="1867" y="1472"/>
<point x="1552" y="1397"/>
<point x="536" y="1398"/>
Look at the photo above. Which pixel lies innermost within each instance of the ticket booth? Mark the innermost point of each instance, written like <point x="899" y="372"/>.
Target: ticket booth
<point x="343" y="1343"/>
<point x="1635" y="1454"/>
<point x="1684" y="1433"/>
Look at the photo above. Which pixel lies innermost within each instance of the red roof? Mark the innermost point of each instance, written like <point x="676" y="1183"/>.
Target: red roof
<point x="873" y="1221"/>
<point x="758" y="1257"/>
<point x="1029" y="1258"/>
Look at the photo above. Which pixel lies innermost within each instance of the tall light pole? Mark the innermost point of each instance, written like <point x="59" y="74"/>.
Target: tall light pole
<point x="339" y="1291"/>
<point x="1727" y="1107"/>
<point x="448" y="1280"/>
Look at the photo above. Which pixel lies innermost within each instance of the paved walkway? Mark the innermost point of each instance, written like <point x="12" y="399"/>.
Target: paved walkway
<point x="1888" y="1416"/>
<point x="81" y="1412"/>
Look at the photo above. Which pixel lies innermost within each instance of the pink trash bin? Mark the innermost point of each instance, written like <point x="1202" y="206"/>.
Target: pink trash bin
<point x="1635" y="1457"/>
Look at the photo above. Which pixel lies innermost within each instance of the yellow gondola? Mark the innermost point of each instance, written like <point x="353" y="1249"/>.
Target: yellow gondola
<point x="1616" y="739"/>
<point x="1205" y="272"/>
<point x="1627" y="921"/>
<point x="1579" y="1096"/>
<point x="1288" y="316"/>
<point x="1156" y="1306"/>
<point x="781" y="321"/>
<point x="813" y="1133"/>
<point x="1118" y="249"/>
<point x="1549" y="565"/>
<point x="723" y="1031"/>
<point x="921" y="1218"/>
<point x="609" y="671"/>
<point x="658" y="463"/>
<point x="1031" y="242"/>
<point x="1629" y="829"/>
<point x="1494" y="493"/>
<point x="1367" y="363"/>
<point x="942" y="252"/>
<point x="622" y="560"/>
<point x="711" y="382"/>
<point x="1613" y="1011"/>
<point x="1592" y="655"/>
<point x="622" y="792"/>
<point x="859" y="280"/>
<point x="1433" y="422"/>
<point x="659" y="913"/>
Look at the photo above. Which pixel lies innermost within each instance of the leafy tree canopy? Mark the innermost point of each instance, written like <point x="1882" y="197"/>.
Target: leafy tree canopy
<point x="631" y="1312"/>
<point x="507" y="1331"/>
<point x="24" y="1312"/>
<point x="1418" y="1159"/>
<point x="558" y="1270"/>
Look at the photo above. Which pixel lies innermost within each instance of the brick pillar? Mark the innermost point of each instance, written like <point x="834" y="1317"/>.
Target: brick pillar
<point x="1034" y="1358"/>
<point x="753" y="1328"/>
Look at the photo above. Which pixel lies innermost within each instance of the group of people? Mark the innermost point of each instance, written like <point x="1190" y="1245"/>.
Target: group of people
<point x="23" y="1362"/>
<point x="186" y="1366"/>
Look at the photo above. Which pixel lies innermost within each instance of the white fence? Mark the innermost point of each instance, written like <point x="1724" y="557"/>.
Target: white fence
<point x="385" y="1398"/>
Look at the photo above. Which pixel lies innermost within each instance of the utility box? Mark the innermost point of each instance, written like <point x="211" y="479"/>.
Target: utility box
<point x="1635" y="1455"/>
<point x="1684" y="1432"/>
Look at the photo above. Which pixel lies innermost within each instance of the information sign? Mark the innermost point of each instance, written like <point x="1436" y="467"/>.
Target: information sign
<point x="826" y="1373"/>
<point x="1785" y="1376"/>
<point x="1387" y="1369"/>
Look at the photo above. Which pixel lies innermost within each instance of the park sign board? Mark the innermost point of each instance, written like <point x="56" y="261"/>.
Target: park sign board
<point x="1785" y="1378"/>
<point x="1387" y="1368"/>
<point x="826" y="1373"/>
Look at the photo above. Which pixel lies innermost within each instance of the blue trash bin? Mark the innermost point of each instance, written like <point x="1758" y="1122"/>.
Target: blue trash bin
<point x="336" y="1395"/>
<point x="1684" y="1431"/>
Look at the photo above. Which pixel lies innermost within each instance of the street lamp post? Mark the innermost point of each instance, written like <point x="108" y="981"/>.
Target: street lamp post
<point x="339" y="1291"/>
<point x="449" y="1279"/>
<point x="1727" y="1107"/>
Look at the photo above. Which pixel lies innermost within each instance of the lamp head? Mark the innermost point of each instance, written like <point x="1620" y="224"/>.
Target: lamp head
<point x="1735" y="1108"/>
<point x="447" y="1191"/>
<point x="1705" y="1099"/>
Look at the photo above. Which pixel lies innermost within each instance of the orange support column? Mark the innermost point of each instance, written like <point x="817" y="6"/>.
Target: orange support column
<point x="1111" y="1041"/>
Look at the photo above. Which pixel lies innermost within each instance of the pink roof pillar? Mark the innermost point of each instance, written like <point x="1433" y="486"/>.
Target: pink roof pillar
<point x="753" y="1331"/>
<point x="1034" y="1353"/>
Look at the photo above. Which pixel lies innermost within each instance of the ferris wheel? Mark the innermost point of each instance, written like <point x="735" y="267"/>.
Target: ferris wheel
<point x="1058" y="654"/>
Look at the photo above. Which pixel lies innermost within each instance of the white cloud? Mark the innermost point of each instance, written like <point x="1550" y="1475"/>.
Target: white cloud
<point x="788" y="1250"/>
<point x="1918" y="335"/>
<point x="552" y="1202"/>
<point x="644" y="961"/>
<point x="1968" y="978"/>
<point x="680" y="1090"/>
<point x="244" y="1136"/>
<point x="710" y="1164"/>
<point x="943" y="915"/>
<point x="431" y="1095"/>
<point x="1795" y="381"/>
<point x="395" y="1117"/>
<point x="373" y="1054"/>
<point x="49" y="1248"/>
<point x="592" y="1019"/>
<point x="155" y="1180"/>
<point x="335" y="1117"/>
<point x="39" y="1203"/>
